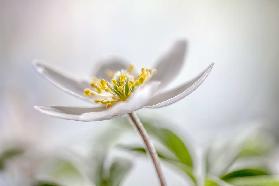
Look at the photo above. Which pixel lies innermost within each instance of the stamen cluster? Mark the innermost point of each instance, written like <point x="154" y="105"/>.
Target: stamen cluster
<point x="121" y="86"/>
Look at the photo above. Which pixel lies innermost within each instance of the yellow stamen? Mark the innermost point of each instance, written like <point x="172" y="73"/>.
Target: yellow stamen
<point x="123" y="84"/>
<point x="95" y="84"/>
<point x="87" y="92"/>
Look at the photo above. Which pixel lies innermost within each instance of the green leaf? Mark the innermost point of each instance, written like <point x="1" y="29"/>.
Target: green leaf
<point x="164" y="156"/>
<point x="208" y="164"/>
<point x="46" y="183"/>
<point x="99" y="176"/>
<point x="256" y="181"/>
<point x="8" y="154"/>
<point x="172" y="142"/>
<point x="113" y="174"/>
<point x="210" y="182"/>
<point x="141" y="150"/>
<point x="246" y="172"/>
<point x="99" y="158"/>
<point x="256" y="145"/>
<point x="62" y="171"/>
<point x="64" y="168"/>
<point x="177" y="146"/>
<point x="118" y="171"/>
<point x="186" y="170"/>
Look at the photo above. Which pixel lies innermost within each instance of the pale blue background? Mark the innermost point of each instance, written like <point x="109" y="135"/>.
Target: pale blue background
<point x="241" y="37"/>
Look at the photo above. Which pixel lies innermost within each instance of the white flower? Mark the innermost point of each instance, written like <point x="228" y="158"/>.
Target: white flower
<point x="128" y="91"/>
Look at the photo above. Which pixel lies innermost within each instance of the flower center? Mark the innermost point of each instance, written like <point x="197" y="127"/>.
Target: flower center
<point x="121" y="86"/>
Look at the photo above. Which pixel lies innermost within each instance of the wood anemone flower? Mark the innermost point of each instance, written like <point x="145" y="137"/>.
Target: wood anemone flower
<point x="117" y="89"/>
<point x="127" y="91"/>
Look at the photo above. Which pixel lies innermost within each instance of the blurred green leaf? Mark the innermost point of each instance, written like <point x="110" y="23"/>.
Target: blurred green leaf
<point x="65" y="168"/>
<point x="182" y="159"/>
<point x="163" y="156"/>
<point x="61" y="170"/>
<point x="256" y="181"/>
<point x="207" y="161"/>
<point x="118" y="171"/>
<point x="8" y="154"/>
<point x="99" y="176"/>
<point x="171" y="141"/>
<point x="256" y="145"/>
<point x="252" y="149"/>
<point x="167" y="138"/>
<point x="210" y="182"/>
<point x="99" y="157"/>
<point x="46" y="183"/>
<point x="141" y="150"/>
<point x="186" y="170"/>
<point x="114" y="174"/>
<point x="245" y="172"/>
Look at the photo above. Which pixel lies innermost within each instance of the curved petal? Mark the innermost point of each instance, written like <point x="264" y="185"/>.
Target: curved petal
<point x="105" y="67"/>
<point x="68" y="84"/>
<point x="170" y="64"/>
<point x="137" y="101"/>
<point x="171" y="96"/>
<point x="70" y="113"/>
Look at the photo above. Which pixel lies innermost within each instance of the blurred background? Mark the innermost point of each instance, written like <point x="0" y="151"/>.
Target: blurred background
<point x="240" y="95"/>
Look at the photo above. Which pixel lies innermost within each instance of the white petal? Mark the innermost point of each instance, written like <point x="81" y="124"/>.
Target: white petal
<point x="140" y="98"/>
<point x="171" y="63"/>
<point x="112" y="65"/>
<point x="65" y="82"/>
<point x="70" y="113"/>
<point x="171" y="96"/>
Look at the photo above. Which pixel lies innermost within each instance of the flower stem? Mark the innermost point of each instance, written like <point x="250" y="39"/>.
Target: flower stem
<point x="149" y="146"/>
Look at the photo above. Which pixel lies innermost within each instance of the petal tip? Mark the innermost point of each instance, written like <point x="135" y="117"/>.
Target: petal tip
<point x="38" y="108"/>
<point x="38" y="65"/>
<point x="42" y="109"/>
<point x="180" y="45"/>
<point x="210" y="67"/>
<point x="181" y="42"/>
<point x="178" y="93"/>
